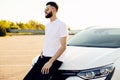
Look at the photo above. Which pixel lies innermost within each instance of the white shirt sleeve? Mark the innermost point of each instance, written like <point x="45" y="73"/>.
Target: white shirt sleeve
<point x="63" y="30"/>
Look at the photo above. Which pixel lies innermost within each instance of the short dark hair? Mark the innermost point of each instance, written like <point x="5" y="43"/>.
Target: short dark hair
<point x="54" y="4"/>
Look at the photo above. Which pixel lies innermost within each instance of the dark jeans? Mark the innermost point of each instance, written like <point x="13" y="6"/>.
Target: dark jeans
<point x="35" y="72"/>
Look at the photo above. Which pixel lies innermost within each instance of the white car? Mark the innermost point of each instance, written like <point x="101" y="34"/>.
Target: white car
<point x="92" y="54"/>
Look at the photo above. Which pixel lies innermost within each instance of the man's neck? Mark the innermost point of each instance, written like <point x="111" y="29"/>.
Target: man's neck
<point x="53" y="18"/>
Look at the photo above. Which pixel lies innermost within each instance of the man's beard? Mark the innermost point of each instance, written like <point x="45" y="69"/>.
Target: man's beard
<point x="49" y="15"/>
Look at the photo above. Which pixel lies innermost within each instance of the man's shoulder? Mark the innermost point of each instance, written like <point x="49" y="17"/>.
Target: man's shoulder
<point x="58" y="23"/>
<point x="61" y="23"/>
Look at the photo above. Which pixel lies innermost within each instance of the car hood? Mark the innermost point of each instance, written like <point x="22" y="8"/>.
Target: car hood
<point x="77" y="58"/>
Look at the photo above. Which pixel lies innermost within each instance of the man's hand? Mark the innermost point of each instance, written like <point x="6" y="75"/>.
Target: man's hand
<point x="41" y="55"/>
<point x="46" y="67"/>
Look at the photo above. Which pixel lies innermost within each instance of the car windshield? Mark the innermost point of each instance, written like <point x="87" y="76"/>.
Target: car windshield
<point x="106" y="38"/>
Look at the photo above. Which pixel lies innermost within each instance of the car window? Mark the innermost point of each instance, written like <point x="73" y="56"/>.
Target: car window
<point x="109" y="38"/>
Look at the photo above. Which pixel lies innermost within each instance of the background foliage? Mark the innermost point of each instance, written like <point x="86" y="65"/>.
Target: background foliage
<point x="34" y="25"/>
<point x="6" y="26"/>
<point x="2" y="31"/>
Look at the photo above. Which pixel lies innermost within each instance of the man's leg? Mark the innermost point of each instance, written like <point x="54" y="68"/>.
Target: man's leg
<point x="35" y="72"/>
<point x="54" y="69"/>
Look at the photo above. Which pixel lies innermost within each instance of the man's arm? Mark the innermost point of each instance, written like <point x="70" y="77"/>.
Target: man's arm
<point x="60" y="50"/>
<point x="46" y="67"/>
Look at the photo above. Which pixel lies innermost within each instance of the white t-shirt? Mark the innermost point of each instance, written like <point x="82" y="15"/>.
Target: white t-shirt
<point x="53" y="32"/>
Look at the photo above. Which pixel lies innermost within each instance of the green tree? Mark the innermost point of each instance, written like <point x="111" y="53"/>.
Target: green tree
<point x="35" y="25"/>
<point x="69" y="28"/>
<point x="21" y="25"/>
<point x="6" y="24"/>
<point x="40" y="27"/>
<point x="2" y="31"/>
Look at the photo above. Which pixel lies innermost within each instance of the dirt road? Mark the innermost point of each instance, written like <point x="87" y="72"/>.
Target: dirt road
<point x="16" y="54"/>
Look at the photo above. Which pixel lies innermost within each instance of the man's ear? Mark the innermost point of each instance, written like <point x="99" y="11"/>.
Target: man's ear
<point x="54" y="9"/>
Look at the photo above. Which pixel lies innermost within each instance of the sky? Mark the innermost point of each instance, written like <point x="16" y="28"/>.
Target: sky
<point x="77" y="14"/>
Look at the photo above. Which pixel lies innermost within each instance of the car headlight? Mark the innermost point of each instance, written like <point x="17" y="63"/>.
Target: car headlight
<point x="96" y="72"/>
